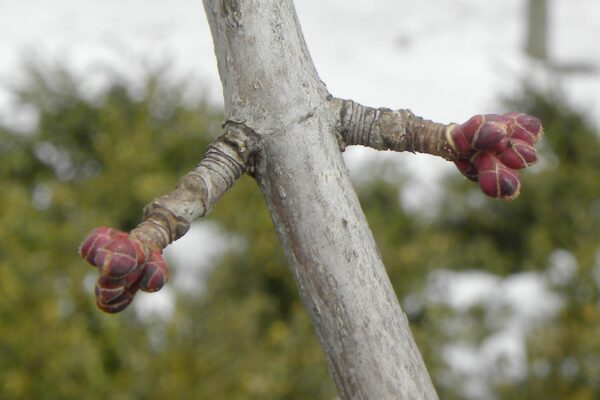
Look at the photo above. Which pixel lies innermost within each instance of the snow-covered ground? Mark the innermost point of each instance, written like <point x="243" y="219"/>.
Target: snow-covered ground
<point x="444" y="59"/>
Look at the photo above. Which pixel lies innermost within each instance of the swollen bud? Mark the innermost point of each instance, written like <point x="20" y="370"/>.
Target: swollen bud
<point x="119" y="257"/>
<point x="490" y="133"/>
<point x="524" y="127"/>
<point x="496" y="179"/>
<point x="108" y="289"/>
<point x="467" y="168"/>
<point x="462" y="135"/>
<point x="115" y="294"/>
<point x="491" y="147"/>
<point x="155" y="273"/>
<point x="519" y="155"/>
<point x="118" y="303"/>
<point x="125" y="267"/>
<point x="97" y="239"/>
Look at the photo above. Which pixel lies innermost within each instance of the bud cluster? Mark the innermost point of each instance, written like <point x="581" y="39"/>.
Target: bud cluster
<point x="125" y="266"/>
<point x="493" y="147"/>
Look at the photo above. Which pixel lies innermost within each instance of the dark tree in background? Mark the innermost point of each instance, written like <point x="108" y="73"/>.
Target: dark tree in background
<point x="246" y="336"/>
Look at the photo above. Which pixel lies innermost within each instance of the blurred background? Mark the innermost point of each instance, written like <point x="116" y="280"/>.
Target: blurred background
<point x="104" y="104"/>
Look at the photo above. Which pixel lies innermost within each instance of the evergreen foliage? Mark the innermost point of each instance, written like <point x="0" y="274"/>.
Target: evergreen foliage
<point x="97" y="161"/>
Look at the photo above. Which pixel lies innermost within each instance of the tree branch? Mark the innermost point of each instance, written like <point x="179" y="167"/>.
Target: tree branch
<point x="399" y="130"/>
<point x="167" y="218"/>
<point x="488" y="149"/>
<point x="129" y="262"/>
<point x="270" y="83"/>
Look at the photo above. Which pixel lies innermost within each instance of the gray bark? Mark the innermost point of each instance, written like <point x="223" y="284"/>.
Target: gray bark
<point x="271" y="87"/>
<point x="168" y="217"/>
<point x="396" y="130"/>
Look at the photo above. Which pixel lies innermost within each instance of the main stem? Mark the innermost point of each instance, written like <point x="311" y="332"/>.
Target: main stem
<point x="271" y="86"/>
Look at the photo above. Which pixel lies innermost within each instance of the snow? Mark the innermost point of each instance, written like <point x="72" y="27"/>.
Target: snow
<point x="512" y="306"/>
<point x="562" y="267"/>
<point x="195" y="253"/>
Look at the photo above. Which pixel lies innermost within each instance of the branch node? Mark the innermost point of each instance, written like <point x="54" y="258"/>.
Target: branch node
<point x="128" y="262"/>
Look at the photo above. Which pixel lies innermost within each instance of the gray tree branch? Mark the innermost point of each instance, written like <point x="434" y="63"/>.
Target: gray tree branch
<point x="270" y="86"/>
<point x="397" y="130"/>
<point x="167" y="218"/>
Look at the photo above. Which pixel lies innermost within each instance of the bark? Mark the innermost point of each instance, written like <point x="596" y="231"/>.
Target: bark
<point x="399" y="130"/>
<point x="271" y="87"/>
<point x="168" y="217"/>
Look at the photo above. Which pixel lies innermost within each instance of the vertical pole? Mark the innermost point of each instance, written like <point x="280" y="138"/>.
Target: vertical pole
<point x="537" y="29"/>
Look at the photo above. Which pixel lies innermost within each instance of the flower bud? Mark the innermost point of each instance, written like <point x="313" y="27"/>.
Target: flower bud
<point x="155" y="273"/>
<point x="495" y="179"/>
<point x="519" y="155"/>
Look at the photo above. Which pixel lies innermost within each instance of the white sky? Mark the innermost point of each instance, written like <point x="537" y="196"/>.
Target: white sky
<point x="444" y="59"/>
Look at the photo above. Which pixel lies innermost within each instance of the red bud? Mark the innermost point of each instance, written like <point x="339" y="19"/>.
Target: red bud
<point x="155" y="274"/>
<point x="489" y="135"/>
<point x="462" y="135"/>
<point x="511" y="115"/>
<point x="524" y="127"/>
<point x="121" y="260"/>
<point x="485" y="161"/>
<point x="491" y="147"/>
<point x="519" y="155"/>
<point x="532" y="124"/>
<point x="119" y="303"/>
<point x="106" y="295"/>
<point x="97" y="238"/>
<point x="501" y="184"/>
<point x="114" y="294"/>
<point x="502" y="145"/>
<point x="467" y="168"/>
<point x="119" y="257"/>
<point x="495" y="179"/>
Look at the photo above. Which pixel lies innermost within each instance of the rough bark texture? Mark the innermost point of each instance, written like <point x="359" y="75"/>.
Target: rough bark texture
<point x="397" y="130"/>
<point x="271" y="87"/>
<point x="168" y="217"/>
